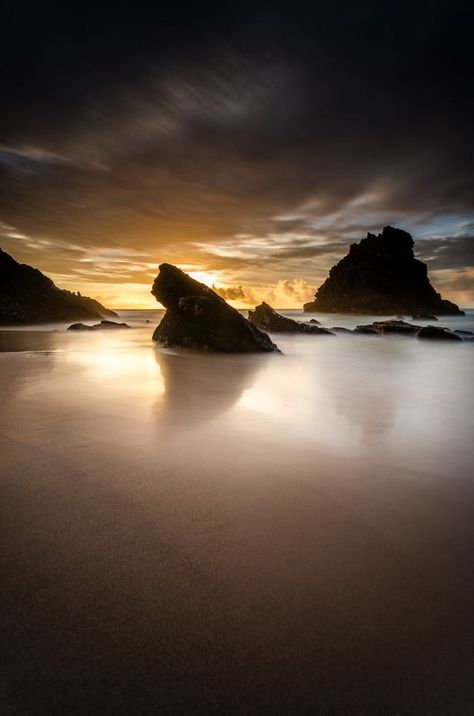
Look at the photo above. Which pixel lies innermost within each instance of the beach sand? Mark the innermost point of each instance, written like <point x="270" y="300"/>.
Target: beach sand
<point x="276" y="534"/>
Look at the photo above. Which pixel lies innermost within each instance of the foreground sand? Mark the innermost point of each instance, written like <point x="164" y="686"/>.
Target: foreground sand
<point x="283" y="535"/>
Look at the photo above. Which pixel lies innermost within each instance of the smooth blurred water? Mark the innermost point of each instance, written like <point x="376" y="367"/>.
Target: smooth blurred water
<point x="391" y="400"/>
<point x="278" y="533"/>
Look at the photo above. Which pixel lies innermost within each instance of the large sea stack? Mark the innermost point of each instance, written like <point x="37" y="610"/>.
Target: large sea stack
<point x="28" y="296"/>
<point x="196" y="317"/>
<point x="381" y="276"/>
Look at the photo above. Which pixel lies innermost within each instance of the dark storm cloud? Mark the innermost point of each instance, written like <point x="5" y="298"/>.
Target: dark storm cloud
<point x="202" y="122"/>
<point x="447" y="253"/>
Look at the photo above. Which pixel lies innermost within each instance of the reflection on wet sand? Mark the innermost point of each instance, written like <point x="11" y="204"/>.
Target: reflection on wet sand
<point x="200" y="387"/>
<point x="207" y="531"/>
<point x="365" y="400"/>
<point x="19" y="341"/>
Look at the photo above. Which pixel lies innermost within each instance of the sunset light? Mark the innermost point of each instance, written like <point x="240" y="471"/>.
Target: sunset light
<point x="237" y="358"/>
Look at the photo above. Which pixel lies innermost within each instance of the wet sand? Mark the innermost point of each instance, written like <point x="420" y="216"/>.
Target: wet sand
<point x="236" y="535"/>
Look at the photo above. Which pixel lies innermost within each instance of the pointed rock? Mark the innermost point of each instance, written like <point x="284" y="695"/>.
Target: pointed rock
<point x="196" y="317"/>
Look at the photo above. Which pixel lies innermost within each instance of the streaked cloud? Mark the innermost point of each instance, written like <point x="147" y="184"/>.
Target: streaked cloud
<point x="254" y="144"/>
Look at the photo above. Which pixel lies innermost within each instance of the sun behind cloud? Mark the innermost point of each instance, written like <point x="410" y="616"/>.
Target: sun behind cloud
<point x="205" y="277"/>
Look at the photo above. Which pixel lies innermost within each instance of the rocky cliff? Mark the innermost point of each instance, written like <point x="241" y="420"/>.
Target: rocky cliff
<point x="380" y="275"/>
<point x="28" y="296"/>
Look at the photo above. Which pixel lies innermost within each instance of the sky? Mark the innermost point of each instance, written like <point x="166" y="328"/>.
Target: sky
<point x="248" y="143"/>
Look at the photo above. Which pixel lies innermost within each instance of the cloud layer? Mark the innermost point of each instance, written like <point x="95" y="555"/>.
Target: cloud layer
<point x="254" y="141"/>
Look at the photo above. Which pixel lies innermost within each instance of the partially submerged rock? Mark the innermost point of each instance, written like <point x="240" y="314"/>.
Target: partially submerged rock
<point x="381" y="276"/>
<point x="265" y="317"/>
<point x="394" y="327"/>
<point x="80" y="327"/>
<point x="424" y="317"/>
<point x="366" y="330"/>
<point x="196" y="317"/>
<point x="107" y="325"/>
<point x="387" y="327"/>
<point x="110" y="324"/>
<point x="438" y="334"/>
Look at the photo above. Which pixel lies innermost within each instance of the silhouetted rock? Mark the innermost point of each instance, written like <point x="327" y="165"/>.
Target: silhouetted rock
<point x="393" y="327"/>
<point x="381" y="276"/>
<point x="103" y="325"/>
<point x="196" y="317"/>
<point x="423" y="317"/>
<point x="81" y="327"/>
<point x="265" y="317"/>
<point x="28" y="296"/>
<point x="368" y="330"/>
<point x="438" y="334"/>
<point x="339" y="329"/>
<point x="110" y="325"/>
<point x="313" y="320"/>
<point x="389" y="327"/>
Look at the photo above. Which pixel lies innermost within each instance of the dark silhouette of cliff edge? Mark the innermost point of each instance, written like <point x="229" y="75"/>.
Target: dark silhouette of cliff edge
<point x="380" y="275"/>
<point x="28" y="296"/>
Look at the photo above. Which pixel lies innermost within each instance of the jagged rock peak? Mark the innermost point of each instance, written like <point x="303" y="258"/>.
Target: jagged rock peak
<point x="380" y="275"/>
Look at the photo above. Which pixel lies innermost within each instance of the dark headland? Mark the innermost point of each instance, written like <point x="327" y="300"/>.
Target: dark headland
<point x="381" y="276"/>
<point x="28" y="296"/>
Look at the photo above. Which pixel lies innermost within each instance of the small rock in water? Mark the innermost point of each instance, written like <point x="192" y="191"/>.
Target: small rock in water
<point x="264" y="316"/>
<point x="366" y="330"/>
<point x="110" y="324"/>
<point x="97" y="326"/>
<point x="438" y="334"/>
<point x="387" y="327"/>
<point x="80" y="327"/>
<point x="423" y="317"/>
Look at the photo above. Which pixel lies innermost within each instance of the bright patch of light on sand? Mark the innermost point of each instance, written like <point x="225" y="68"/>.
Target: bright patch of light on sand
<point x="110" y="360"/>
<point x="204" y="277"/>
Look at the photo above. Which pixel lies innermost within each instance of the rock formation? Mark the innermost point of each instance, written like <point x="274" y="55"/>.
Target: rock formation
<point x="196" y="317"/>
<point x="265" y="317"/>
<point x="381" y="276"/>
<point x="424" y="317"/>
<point x="434" y="333"/>
<point x="401" y="328"/>
<point x="28" y="296"/>
<point x="103" y="325"/>
<point x="387" y="327"/>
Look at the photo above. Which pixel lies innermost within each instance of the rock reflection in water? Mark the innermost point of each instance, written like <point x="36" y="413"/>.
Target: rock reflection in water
<point x="201" y="386"/>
